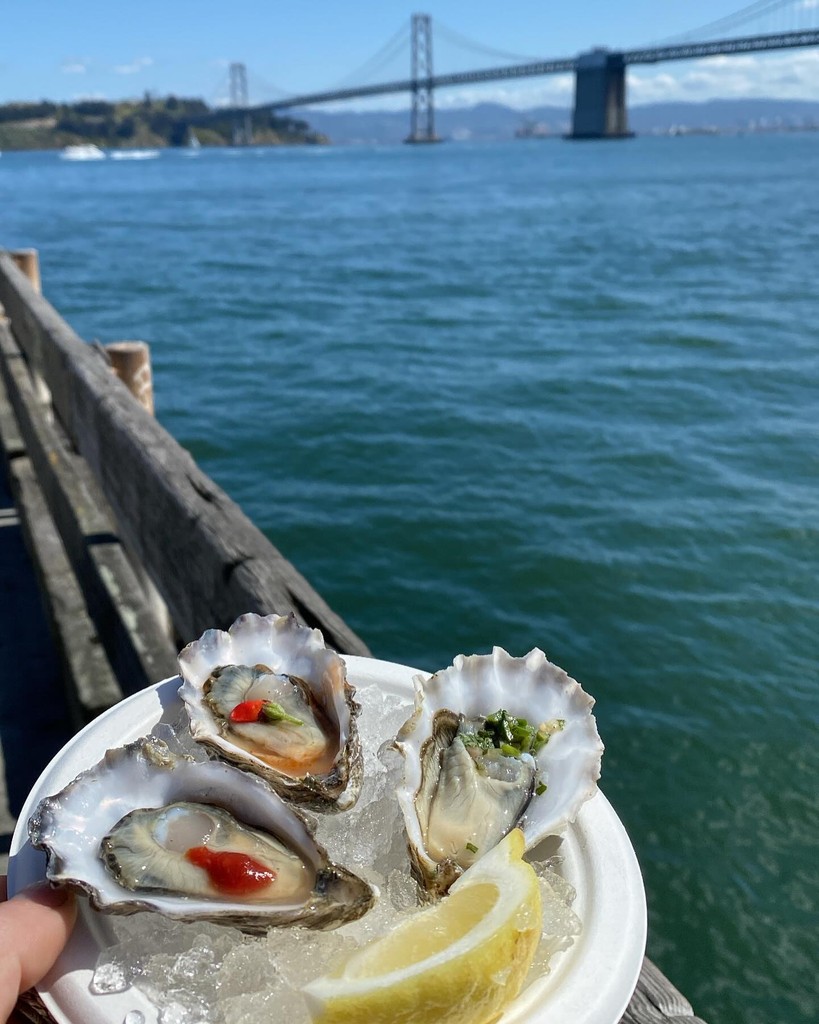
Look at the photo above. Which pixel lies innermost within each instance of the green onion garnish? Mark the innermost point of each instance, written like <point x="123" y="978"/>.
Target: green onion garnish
<point x="274" y="712"/>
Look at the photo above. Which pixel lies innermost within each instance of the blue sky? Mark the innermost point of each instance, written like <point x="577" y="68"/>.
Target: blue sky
<point x="70" y="49"/>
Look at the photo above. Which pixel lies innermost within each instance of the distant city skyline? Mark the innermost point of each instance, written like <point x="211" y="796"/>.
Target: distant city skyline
<point x="90" y="49"/>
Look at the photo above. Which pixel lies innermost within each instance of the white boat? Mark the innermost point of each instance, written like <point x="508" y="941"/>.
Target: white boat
<point x="87" y="151"/>
<point x="194" y="145"/>
<point x="134" y="154"/>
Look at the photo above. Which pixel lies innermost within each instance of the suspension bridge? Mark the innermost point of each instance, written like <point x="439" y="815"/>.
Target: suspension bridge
<point x="600" y="110"/>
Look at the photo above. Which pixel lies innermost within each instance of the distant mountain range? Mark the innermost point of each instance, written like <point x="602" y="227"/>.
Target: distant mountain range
<point x="494" y="122"/>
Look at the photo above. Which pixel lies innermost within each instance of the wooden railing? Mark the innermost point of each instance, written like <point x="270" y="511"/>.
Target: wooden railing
<point x="134" y="514"/>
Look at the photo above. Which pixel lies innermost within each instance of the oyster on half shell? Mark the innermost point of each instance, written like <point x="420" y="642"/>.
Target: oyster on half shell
<point x="146" y="830"/>
<point x="462" y="790"/>
<point x="270" y="697"/>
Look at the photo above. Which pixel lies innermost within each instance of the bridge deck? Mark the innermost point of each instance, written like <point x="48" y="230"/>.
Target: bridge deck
<point x="533" y="69"/>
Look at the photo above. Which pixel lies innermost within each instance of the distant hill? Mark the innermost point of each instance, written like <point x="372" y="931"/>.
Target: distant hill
<point x="493" y="121"/>
<point x="153" y="122"/>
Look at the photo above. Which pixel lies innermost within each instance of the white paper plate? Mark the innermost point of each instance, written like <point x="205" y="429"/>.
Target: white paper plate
<point x="591" y="983"/>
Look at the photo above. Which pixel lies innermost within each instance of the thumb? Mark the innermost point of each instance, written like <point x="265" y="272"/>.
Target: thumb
<point x="34" y="927"/>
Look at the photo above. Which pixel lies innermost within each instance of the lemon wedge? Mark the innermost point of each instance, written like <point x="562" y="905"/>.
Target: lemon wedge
<point x="458" y="962"/>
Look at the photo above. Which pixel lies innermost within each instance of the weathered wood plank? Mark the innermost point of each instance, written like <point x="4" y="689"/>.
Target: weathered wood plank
<point x="30" y="1009"/>
<point x="91" y="686"/>
<point x="208" y="561"/>
<point x="11" y="443"/>
<point x="657" y="1001"/>
<point x="134" y="642"/>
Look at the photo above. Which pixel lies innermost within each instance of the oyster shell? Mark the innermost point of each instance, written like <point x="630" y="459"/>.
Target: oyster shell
<point x="308" y="748"/>
<point x="458" y="798"/>
<point x="142" y="829"/>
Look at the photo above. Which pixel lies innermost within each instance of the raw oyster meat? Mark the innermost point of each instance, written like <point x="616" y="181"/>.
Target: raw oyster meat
<point x="270" y="697"/>
<point x="494" y="742"/>
<point x="146" y="830"/>
<point x="198" y="849"/>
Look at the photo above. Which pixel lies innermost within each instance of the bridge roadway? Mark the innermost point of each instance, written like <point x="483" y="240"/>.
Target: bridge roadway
<point x="563" y="65"/>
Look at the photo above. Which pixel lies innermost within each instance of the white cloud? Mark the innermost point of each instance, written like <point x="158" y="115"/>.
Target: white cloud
<point x="793" y="75"/>
<point x="136" y="65"/>
<point x="790" y="75"/>
<point x="74" y="66"/>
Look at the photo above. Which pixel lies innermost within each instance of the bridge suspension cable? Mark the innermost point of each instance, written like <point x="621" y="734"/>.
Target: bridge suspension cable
<point x="799" y="11"/>
<point x="260" y="86"/>
<point x="219" y="95"/>
<point x="398" y="41"/>
<point x="465" y="43"/>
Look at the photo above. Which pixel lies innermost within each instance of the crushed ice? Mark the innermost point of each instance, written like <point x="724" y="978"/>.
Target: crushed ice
<point x="209" y="974"/>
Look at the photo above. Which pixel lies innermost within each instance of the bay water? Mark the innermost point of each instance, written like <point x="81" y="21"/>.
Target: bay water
<point x="525" y="394"/>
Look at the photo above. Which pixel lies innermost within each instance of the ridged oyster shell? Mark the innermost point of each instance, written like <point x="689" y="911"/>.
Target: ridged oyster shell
<point x="286" y="648"/>
<point x="476" y="686"/>
<point x="75" y="827"/>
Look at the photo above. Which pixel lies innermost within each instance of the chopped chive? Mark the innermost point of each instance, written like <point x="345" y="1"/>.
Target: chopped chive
<point x="540" y="789"/>
<point x="472" y="848"/>
<point x="512" y="736"/>
<point x="274" y="712"/>
<point x="471" y="739"/>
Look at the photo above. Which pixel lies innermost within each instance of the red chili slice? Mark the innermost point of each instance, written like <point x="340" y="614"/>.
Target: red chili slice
<point x="247" y="711"/>
<point x="230" y="872"/>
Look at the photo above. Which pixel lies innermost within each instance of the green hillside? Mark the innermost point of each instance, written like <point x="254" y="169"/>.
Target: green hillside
<point x="128" y="124"/>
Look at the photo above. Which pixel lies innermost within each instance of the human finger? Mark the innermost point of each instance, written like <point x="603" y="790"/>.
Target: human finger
<point x="34" y="928"/>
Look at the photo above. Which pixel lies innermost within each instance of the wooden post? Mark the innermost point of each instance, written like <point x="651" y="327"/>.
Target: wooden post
<point x="28" y="260"/>
<point x="131" y="362"/>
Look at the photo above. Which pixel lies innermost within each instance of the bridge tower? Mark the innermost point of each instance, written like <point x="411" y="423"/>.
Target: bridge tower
<point x="242" y="128"/>
<point x="600" y="97"/>
<point x="422" y="116"/>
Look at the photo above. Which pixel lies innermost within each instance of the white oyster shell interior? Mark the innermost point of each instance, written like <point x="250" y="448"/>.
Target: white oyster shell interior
<point x="288" y="650"/>
<point x="73" y="825"/>
<point x="475" y="686"/>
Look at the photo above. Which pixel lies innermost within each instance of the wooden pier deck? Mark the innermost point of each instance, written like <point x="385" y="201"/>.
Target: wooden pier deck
<point x="115" y="548"/>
